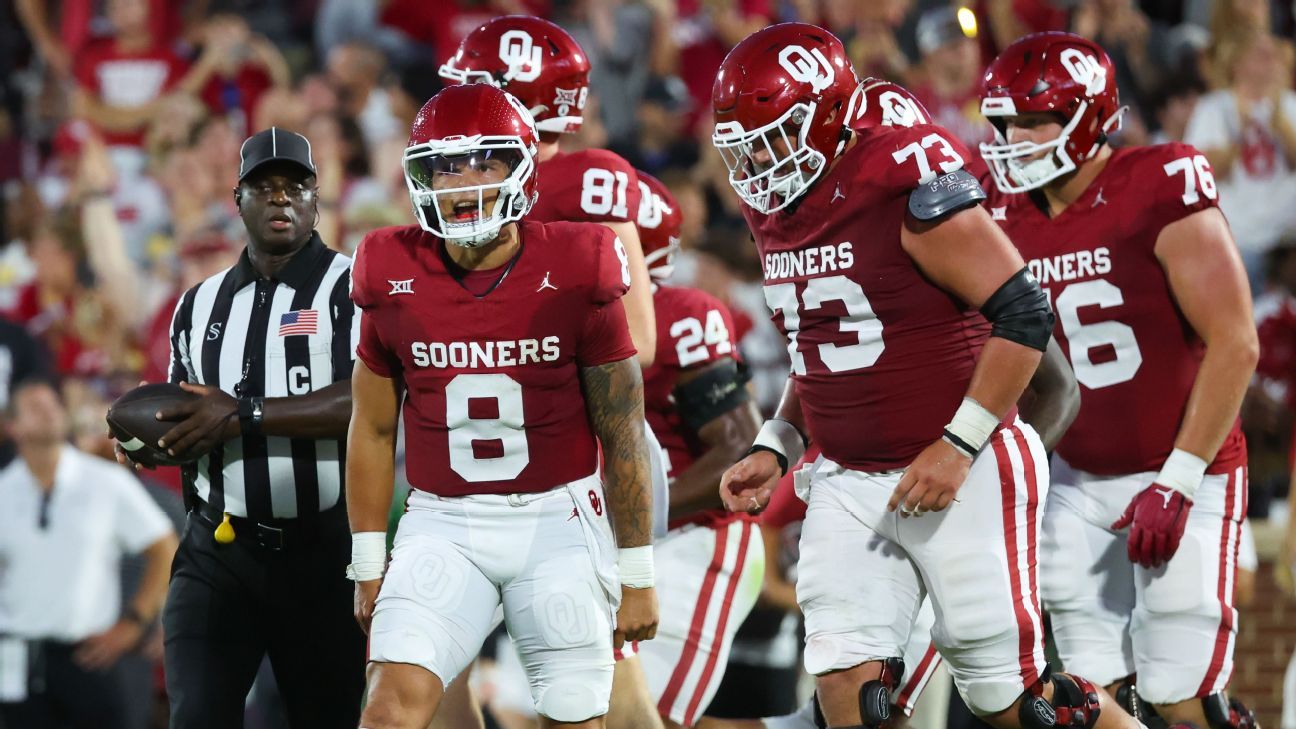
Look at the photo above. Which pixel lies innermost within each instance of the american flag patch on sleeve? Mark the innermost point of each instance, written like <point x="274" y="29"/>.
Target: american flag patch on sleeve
<point x="302" y="321"/>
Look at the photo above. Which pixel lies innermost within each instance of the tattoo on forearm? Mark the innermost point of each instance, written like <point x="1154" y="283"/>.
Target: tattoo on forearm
<point x="614" y="401"/>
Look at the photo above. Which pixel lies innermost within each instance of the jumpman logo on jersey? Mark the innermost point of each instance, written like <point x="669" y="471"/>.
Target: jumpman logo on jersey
<point x="545" y="284"/>
<point x="838" y="194"/>
<point x="1099" y="200"/>
<point x="1165" y="494"/>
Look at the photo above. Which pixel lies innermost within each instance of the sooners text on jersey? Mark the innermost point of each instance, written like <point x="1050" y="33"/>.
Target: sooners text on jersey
<point x="494" y="402"/>
<point x="1134" y="354"/>
<point x="881" y="357"/>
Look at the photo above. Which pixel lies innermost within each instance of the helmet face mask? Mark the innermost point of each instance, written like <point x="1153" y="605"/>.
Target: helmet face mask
<point x="1048" y="73"/>
<point x="470" y="164"/>
<point x="792" y="167"/>
<point x="782" y="102"/>
<point x="430" y="170"/>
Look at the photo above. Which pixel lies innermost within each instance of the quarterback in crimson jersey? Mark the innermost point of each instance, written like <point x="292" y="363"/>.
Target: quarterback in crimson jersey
<point x="1154" y="313"/>
<point x="913" y="327"/>
<point x="545" y="68"/>
<point x="514" y="356"/>
<point x="711" y="562"/>
<point x="542" y="65"/>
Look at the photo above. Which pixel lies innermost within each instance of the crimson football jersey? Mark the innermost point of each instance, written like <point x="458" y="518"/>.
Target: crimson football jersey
<point x="494" y="401"/>
<point x="1134" y="354"/>
<point x="881" y="356"/>
<point x="693" y="330"/>
<point x="590" y="186"/>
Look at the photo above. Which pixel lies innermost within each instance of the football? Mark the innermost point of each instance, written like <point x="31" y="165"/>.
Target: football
<point x="133" y="423"/>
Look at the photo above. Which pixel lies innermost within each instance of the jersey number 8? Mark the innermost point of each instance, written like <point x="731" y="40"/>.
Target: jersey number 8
<point x="506" y="427"/>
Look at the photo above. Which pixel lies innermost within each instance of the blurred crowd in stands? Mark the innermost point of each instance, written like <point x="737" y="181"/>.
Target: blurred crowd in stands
<point x="121" y="120"/>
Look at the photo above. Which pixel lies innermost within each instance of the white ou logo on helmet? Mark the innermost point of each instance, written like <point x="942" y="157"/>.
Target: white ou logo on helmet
<point x="899" y="111"/>
<point x="652" y="208"/>
<point x="521" y="54"/>
<point x="1085" y="69"/>
<point x="808" y="67"/>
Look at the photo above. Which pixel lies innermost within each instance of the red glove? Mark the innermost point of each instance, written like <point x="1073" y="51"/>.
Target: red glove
<point x="1158" y="515"/>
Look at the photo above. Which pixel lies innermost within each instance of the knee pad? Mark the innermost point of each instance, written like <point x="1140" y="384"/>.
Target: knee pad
<point x="875" y="695"/>
<point x="1223" y="712"/>
<point x="572" y="700"/>
<point x="1075" y="703"/>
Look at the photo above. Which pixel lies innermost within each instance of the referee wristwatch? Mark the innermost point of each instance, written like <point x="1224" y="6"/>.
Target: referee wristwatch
<point x="251" y="411"/>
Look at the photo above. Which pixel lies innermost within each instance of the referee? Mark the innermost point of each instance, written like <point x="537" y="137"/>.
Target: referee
<point x="261" y="568"/>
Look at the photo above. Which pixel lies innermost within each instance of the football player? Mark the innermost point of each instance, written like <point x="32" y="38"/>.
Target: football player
<point x="509" y="388"/>
<point x="1149" y="485"/>
<point x="1049" y="405"/>
<point x="711" y="561"/>
<point x="883" y="271"/>
<point x="543" y="66"/>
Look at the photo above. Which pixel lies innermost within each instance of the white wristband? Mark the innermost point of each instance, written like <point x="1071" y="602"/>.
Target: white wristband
<point x="635" y="565"/>
<point x="971" y="427"/>
<point x="1182" y="472"/>
<point x="368" y="556"/>
<point x="782" y="437"/>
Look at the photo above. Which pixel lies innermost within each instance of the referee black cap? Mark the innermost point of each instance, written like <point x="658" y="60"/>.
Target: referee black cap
<point x="271" y="145"/>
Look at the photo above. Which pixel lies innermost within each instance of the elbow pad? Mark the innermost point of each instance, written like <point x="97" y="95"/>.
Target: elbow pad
<point x="715" y="391"/>
<point x="945" y="195"/>
<point x="1019" y="312"/>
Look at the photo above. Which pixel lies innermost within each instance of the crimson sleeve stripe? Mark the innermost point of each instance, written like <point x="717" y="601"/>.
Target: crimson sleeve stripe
<point x="1025" y="626"/>
<point x="910" y="692"/>
<point x="690" y="714"/>
<point x="695" y="629"/>
<point x="1224" y="584"/>
<point x="1032" y="533"/>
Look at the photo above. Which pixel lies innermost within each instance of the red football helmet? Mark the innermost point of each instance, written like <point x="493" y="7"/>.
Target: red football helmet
<point x="659" y="224"/>
<point x="788" y="83"/>
<point x="474" y="128"/>
<point x="531" y="58"/>
<point x="879" y="103"/>
<point x="1055" y="73"/>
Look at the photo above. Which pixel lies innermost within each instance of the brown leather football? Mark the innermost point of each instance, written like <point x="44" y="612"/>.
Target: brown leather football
<point x="133" y="422"/>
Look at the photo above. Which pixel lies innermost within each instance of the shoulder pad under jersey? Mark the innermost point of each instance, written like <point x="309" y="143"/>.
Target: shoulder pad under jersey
<point x="944" y="195"/>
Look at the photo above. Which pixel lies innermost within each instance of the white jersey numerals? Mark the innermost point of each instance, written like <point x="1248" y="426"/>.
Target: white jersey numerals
<point x="624" y="258"/>
<point x="1197" y="176"/>
<point x="859" y="318"/>
<point x="507" y="427"/>
<point x="1084" y="338"/>
<point x="692" y="339"/>
<point x="950" y="160"/>
<point x="603" y="192"/>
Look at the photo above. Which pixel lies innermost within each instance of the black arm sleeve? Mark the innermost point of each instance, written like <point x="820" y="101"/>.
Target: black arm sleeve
<point x="1019" y="312"/>
<point x="945" y="195"/>
<point x="715" y="391"/>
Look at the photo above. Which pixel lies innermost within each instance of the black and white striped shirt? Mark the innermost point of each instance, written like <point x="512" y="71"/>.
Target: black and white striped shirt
<point x="279" y="337"/>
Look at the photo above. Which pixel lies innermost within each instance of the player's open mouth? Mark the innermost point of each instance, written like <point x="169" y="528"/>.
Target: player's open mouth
<point x="280" y="222"/>
<point x="465" y="211"/>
